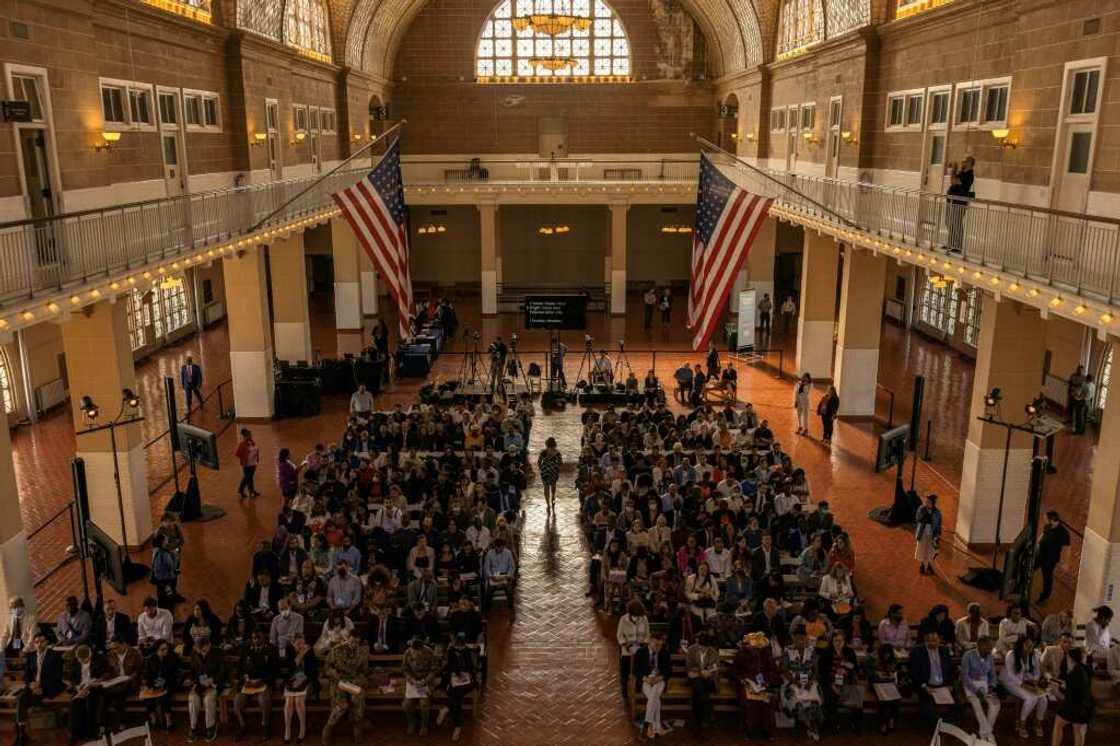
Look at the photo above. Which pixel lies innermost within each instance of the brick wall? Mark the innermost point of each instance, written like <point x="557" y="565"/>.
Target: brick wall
<point x="449" y="113"/>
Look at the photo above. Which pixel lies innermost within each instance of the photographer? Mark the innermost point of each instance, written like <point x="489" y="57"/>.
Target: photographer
<point x="498" y="352"/>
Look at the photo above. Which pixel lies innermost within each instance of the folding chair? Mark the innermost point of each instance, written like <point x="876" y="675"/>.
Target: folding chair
<point x="141" y="731"/>
<point x="958" y="733"/>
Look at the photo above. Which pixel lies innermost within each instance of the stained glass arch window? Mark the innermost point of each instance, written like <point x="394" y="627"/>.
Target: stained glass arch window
<point x="301" y="24"/>
<point x="533" y="41"/>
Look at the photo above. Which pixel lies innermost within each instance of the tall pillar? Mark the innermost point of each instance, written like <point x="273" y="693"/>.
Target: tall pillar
<point x="99" y="359"/>
<point x="250" y="335"/>
<point x="347" y="287"/>
<point x="861" y="321"/>
<point x="1100" y="549"/>
<point x="1009" y="356"/>
<point x="369" y="285"/>
<point x="816" y="328"/>
<point x="618" y="258"/>
<point x="290" y="318"/>
<point x="15" y="565"/>
<point x="488" y="227"/>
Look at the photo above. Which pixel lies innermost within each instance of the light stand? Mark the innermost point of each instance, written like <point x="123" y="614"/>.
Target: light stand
<point x="129" y="400"/>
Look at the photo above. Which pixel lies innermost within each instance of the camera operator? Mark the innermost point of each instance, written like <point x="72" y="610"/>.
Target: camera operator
<point x="559" y="350"/>
<point x="498" y="352"/>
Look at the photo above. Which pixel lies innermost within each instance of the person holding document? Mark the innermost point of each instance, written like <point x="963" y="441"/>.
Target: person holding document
<point x="347" y="665"/>
<point x="420" y="668"/>
<point x="83" y="671"/>
<point x="978" y="676"/>
<point x="653" y="667"/>
<point x="758" y="676"/>
<point x="838" y="670"/>
<point x="258" y="669"/>
<point x="125" y="667"/>
<point x="208" y="676"/>
<point x="702" y="662"/>
<point x="883" y="676"/>
<point x="801" y="697"/>
<point x="1022" y="677"/>
<point x="932" y="673"/>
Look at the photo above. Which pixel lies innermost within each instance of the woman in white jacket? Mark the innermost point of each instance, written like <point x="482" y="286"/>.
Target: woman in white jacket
<point x="801" y="402"/>
<point x="702" y="592"/>
<point x="632" y="633"/>
<point x="1022" y="677"/>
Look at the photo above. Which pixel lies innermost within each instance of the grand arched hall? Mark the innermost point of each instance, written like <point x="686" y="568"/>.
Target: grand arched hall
<point x="233" y="200"/>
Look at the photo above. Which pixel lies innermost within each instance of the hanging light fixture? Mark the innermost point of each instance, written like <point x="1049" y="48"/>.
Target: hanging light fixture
<point x="551" y="230"/>
<point x="675" y="228"/>
<point x="552" y="63"/>
<point x="558" y="19"/>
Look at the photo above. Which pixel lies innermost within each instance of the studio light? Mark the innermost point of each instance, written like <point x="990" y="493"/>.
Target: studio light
<point x="129" y="398"/>
<point x="993" y="398"/>
<point x="89" y="409"/>
<point x="1036" y="407"/>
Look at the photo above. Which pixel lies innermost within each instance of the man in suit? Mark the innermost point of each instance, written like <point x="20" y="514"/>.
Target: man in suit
<point x="20" y="631"/>
<point x="74" y="625"/>
<point x="263" y="596"/>
<point x="1054" y="539"/>
<point x="771" y="623"/>
<point x="42" y="676"/>
<point x="82" y="670"/>
<point x="111" y="623"/>
<point x="653" y="666"/>
<point x="190" y="376"/>
<point x="931" y="667"/>
<point x="766" y="568"/>
<point x="125" y="662"/>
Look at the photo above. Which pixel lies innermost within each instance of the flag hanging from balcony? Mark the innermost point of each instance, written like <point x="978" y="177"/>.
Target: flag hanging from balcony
<point x="376" y="211"/>
<point x="727" y="221"/>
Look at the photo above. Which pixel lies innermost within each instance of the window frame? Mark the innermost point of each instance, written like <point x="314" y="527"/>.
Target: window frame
<point x="127" y="88"/>
<point x="908" y="113"/>
<point x="933" y="93"/>
<point x="203" y="97"/>
<point x="903" y="98"/>
<point x="36" y="80"/>
<point x="981" y="88"/>
<point x="811" y="109"/>
<point x="778" y="117"/>
<point x="297" y="110"/>
<point x="1072" y="70"/>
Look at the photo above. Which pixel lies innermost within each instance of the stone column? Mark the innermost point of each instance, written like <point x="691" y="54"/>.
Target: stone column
<point x="347" y="287"/>
<point x="488" y="227"/>
<point x="1099" y="572"/>
<point x="369" y="285"/>
<point x="861" y="321"/>
<point x="1009" y="356"/>
<point x="15" y="565"/>
<point x="250" y="335"/>
<point x="290" y="318"/>
<point x="816" y="327"/>
<point x="99" y="358"/>
<point x="618" y="258"/>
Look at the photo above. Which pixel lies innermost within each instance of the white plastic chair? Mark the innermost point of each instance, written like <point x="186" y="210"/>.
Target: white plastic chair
<point x="959" y="734"/>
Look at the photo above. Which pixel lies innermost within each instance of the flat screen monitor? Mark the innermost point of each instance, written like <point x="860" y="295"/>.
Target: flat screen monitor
<point x="199" y="444"/>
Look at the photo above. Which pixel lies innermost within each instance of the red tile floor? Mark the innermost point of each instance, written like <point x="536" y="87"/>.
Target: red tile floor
<point x="553" y="666"/>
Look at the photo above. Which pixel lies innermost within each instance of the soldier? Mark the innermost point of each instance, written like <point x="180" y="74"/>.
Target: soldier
<point x="421" y="669"/>
<point x="347" y="666"/>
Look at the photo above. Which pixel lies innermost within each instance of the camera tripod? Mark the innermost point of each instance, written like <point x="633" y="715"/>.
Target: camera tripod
<point x="472" y="371"/>
<point x="515" y="367"/>
<point x="587" y="361"/>
<point x="621" y="361"/>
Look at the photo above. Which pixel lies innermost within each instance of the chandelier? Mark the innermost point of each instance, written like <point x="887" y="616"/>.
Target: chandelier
<point x="940" y="281"/>
<point x="552" y="63"/>
<point x="431" y="229"/>
<point x="561" y="20"/>
<point x="549" y="230"/>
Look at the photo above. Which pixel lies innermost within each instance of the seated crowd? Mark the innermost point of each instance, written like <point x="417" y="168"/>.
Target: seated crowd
<point x="383" y="545"/>
<point x="706" y="544"/>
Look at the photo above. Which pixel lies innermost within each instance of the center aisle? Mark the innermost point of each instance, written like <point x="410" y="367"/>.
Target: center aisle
<point x="554" y="678"/>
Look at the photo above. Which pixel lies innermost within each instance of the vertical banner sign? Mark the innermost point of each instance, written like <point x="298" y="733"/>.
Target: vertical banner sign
<point x="744" y="334"/>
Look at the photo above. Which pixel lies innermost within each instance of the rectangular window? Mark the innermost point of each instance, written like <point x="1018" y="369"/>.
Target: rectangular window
<point x="271" y="114"/>
<point x="896" y="109"/>
<point x="299" y="115"/>
<point x="777" y="120"/>
<point x="808" y="116"/>
<point x="939" y="109"/>
<point x="834" y="108"/>
<point x="914" y="110"/>
<point x="193" y="106"/>
<point x="168" y="111"/>
<point x="1083" y="98"/>
<point x="202" y="110"/>
<point x="112" y="105"/>
<point x="1080" y="145"/>
<point x="968" y="111"/>
<point x="140" y="106"/>
<point x="995" y="104"/>
<point x="26" y="88"/>
<point x="313" y="119"/>
<point x="210" y="111"/>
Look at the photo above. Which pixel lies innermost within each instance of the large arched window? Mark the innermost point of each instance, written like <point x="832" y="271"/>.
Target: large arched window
<point x="306" y="28"/>
<point x="800" y="24"/>
<point x="516" y="44"/>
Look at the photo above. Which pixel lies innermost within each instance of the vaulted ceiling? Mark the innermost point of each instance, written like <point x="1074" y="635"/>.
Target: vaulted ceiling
<point x="740" y="33"/>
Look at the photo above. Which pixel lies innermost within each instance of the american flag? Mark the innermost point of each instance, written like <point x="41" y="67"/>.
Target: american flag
<point x="376" y="211"/>
<point x="727" y="220"/>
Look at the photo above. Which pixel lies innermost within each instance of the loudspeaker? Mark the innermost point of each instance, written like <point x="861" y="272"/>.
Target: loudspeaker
<point x="916" y="411"/>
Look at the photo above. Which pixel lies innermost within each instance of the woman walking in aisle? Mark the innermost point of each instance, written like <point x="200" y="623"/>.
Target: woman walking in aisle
<point x="548" y="464"/>
<point x="927" y="534"/>
<point x="827" y="408"/>
<point x="801" y="402"/>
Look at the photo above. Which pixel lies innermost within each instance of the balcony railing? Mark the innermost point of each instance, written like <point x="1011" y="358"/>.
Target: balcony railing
<point x="424" y="171"/>
<point x="1073" y="253"/>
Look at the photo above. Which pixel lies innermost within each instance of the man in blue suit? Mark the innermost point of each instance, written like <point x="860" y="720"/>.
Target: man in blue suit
<point x="190" y="376"/>
<point x="42" y="675"/>
<point x="931" y="668"/>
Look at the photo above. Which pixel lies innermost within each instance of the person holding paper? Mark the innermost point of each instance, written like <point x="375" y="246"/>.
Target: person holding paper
<point x="153" y="624"/>
<point x="125" y="667"/>
<point x="74" y="625"/>
<point x="347" y="666"/>
<point x="420" y="669"/>
<point x="1012" y="628"/>
<point x="1022" y="677"/>
<point x="458" y="671"/>
<point x="653" y="667"/>
<point x="932" y="673"/>
<point x="758" y="676"/>
<point x="285" y="625"/>
<point x="883" y="676"/>
<point x="978" y="676"/>
<point x="632" y="633"/>
<point x="160" y="681"/>
<point x="208" y="675"/>
<point x="801" y="699"/>
<point x="971" y="627"/>
<point x="83" y="670"/>
<point x="498" y="569"/>
<point x="838" y="669"/>
<point x="258" y="669"/>
<point x="702" y="662"/>
<point x="303" y="680"/>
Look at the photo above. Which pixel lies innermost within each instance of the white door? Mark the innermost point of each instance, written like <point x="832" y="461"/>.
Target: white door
<point x="832" y="140"/>
<point x="172" y="171"/>
<point x="1073" y="178"/>
<point x="36" y="173"/>
<point x="934" y="167"/>
<point x="793" y="121"/>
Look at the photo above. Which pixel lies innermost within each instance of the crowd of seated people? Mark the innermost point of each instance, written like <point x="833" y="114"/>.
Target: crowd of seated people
<point x="706" y="544"/>
<point x="385" y="544"/>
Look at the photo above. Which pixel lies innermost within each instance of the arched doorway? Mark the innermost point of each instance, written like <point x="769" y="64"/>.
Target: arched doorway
<point x="378" y="114"/>
<point x="728" y="135"/>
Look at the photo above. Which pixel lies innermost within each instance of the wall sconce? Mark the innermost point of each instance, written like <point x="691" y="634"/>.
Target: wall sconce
<point x="810" y="137"/>
<point x="300" y="136"/>
<point x="849" y="137"/>
<point x="1003" y="137"/>
<point x="258" y="139"/>
<point x="357" y="137"/>
<point x="108" y="140"/>
<point x="750" y="137"/>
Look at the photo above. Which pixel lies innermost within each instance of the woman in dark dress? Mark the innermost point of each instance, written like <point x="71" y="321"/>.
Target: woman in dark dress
<point x="827" y="409"/>
<point x="161" y="674"/>
<point x="1077" y="707"/>
<point x="548" y="464"/>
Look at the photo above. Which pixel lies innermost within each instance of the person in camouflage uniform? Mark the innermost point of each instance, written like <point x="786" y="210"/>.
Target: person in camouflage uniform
<point x="348" y="661"/>
<point x="422" y="669"/>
